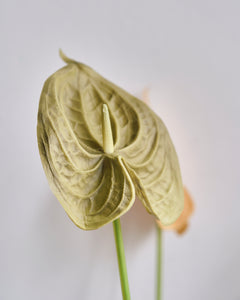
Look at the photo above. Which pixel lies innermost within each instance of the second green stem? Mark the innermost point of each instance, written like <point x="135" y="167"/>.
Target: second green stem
<point x="159" y="264"/>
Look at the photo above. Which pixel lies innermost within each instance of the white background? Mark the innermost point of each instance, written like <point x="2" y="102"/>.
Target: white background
<point x="187" y="54"/>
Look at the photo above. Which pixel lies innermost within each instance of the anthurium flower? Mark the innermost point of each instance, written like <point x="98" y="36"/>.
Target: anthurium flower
<point x="95" y="186"/>
<point x="181" y="224"/>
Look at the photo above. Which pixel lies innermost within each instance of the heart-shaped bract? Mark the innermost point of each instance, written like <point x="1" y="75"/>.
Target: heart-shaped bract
<point x="95" y="187"/>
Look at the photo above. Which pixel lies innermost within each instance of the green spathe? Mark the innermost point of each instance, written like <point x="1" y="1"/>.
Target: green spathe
<point x="95" y="186"/>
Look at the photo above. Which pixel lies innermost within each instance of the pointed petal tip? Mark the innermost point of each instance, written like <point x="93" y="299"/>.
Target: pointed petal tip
<point x="64" y="57"/>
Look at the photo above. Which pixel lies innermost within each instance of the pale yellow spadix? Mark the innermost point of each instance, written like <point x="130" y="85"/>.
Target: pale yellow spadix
<point x="96" y="171"/>
<point x="107" y="131"/>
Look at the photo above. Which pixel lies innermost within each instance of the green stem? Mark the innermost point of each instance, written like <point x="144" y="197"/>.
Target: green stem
<point x="121" y="259"/>
<point x="159" y="263"/>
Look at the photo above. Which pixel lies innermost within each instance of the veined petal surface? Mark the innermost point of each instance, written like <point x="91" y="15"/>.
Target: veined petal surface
<point x="94" y="187"/>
